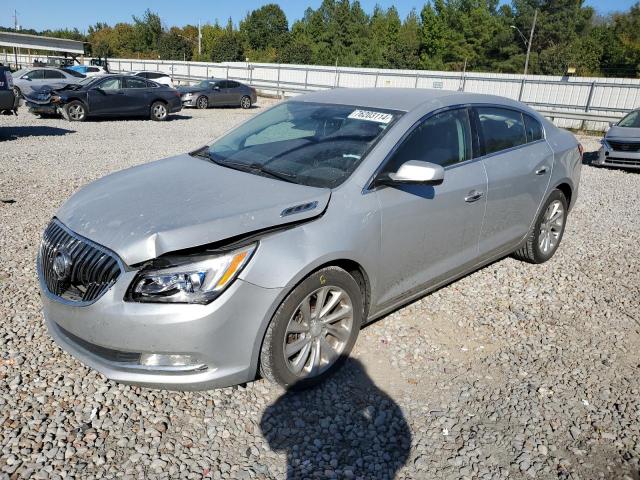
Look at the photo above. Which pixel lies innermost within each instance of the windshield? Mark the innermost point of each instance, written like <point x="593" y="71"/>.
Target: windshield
<point x="313" y="144"/>
<point x="632" y="120"/>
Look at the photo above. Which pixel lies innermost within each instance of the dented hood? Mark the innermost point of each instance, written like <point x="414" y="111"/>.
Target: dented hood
<point x="181" y="202"/>
<point x="623" y="133"/>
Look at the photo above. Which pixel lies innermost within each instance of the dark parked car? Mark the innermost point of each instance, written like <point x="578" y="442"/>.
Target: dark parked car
<point x="108" y="95"/>
<point x="216" y="92"/>
<point x="8" y="99"/>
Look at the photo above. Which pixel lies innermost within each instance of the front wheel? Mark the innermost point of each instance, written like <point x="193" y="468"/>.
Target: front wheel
<point x="202" y="102"/>
<point x="158" y="111"/>
<point x="75" y="111"/>
<point x="545" y="236"/>
<point x="313" y="331"/>
<point x="245" y="102"/>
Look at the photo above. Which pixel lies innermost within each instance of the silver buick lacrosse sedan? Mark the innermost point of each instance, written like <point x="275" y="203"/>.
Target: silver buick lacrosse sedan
<point x="266" y="251"/>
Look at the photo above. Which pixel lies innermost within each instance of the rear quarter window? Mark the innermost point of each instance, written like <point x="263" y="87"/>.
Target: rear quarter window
<point x="533" y="128"/>
<point x="501" y="128"/>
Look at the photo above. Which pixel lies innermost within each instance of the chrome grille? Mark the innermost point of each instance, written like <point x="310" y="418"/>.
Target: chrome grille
<point x="84" y="270"/>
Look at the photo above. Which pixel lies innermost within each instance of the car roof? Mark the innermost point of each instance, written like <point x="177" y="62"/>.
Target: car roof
<point x="402" y="99"/>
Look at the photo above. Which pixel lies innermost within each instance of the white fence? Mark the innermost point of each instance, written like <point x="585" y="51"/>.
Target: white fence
<point x="595" y="99"/>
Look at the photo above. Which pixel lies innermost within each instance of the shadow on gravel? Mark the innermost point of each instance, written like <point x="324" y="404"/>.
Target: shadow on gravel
<point x="344" y="428"/>
<point x="14" y="133"/>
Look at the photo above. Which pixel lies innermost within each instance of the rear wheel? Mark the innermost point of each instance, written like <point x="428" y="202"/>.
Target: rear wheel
<point x="202" y="102"/>
<point x="313" y="330"/>
<point x="17" y="92"/>
<point x="75" y="111"/>
<point x="245" y="102"/>
<point x="158" y="111"/>
<point x="546" y="234"/>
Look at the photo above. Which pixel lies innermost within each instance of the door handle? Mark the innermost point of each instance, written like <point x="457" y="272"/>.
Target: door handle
<point x="473" y="196"/>
<point x="541" y="171"/>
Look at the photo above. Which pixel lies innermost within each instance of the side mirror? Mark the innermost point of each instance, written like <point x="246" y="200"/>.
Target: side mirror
<point x="216" y="88"/>
<point x="416" y="172"/>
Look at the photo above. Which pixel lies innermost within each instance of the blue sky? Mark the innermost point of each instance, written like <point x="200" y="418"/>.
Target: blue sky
<point x="43" y="14"/>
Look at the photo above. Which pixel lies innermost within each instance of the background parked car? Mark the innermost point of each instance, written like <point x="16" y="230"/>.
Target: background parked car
<point x="88" y="70"/>
<point x="621" y="144"/>
<point x="8" y="99"/>
<point x="217" y="92"/>
<point x="108" y="95"/>
<point x="29" y="80"/>
<point x="158" y="77"/>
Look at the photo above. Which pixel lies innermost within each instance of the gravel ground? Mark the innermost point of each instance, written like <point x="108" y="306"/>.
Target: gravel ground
<point x="516" y="371"/>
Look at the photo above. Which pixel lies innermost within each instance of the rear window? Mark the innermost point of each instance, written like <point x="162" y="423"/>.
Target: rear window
<point x="133" y="82"/>
<point x="53" y="74"/>
<point x="501" y="128"/>
<point x="73" y="73"/>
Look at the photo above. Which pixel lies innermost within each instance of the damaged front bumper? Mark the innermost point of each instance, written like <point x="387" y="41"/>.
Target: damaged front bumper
<point x="113" y="335"/>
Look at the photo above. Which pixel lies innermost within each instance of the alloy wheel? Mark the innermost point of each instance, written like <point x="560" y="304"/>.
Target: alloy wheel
<point x="76" y="112"/>
<point x="551" y="227"/>
<point x="159" y="111"/>
<point x="203" y="102"/>
<point x="318" y="331"/>
<point x="245" y="102"/>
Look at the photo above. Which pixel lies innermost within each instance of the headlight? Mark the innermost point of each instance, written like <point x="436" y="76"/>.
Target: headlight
<point x="199" y="281"/>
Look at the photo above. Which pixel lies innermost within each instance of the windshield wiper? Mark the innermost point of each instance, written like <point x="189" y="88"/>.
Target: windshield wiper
<point x="245" y="167"/>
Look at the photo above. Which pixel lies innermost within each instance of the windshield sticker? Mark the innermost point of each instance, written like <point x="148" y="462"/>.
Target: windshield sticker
<point x="370" y="116"/>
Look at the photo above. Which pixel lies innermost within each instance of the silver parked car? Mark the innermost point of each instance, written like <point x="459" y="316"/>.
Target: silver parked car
<point x="30" y="80"/>
<point x="621" y="144"/>
<point x="216" y="92"/>
<point x="266" y="251"/>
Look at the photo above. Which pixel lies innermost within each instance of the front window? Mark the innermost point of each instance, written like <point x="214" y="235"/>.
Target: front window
<point x="632" y="120"/>
<point x="207" y="84"/>
<point x="312" y="144"/>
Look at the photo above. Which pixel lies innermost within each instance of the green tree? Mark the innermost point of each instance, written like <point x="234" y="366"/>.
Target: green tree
<point x="228" y="46"/>
<point x="266" y="27"/>
<point x="173" y="46"/>
<point x="148" y="30"/>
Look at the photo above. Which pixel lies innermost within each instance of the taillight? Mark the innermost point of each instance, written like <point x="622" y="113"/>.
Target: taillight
<point x="581" y="150"/>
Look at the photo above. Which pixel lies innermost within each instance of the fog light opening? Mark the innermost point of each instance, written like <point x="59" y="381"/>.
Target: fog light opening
<point x="171" y="362"/>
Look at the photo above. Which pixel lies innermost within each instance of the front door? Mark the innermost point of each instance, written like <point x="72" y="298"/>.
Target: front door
<point x="518" y="162"/>
<point x="107" y="97"/>
<point x="429" y="232"/>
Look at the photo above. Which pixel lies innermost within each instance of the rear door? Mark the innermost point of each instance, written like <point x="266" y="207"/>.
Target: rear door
<point x="430" y="232"/>
<point x="136" y="91"/>
<point x="233" y="93"/>
<point x="518" y="161"/>
<point x="56" y="78"/>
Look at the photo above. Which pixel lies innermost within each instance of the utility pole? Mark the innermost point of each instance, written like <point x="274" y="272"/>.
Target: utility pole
<point x="15" y="27"/>
<point x="533" y="27"/>
<point x="199" y="39"/>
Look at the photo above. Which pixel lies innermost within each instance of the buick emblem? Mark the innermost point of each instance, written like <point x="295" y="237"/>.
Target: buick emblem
<point x="61" y="264"/>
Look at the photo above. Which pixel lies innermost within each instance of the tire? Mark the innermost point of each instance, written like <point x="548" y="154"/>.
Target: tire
<point x="245" y="102"/>
<point x="17" y="92"/>
<point x="158" y="111"/>
<point x="335" y="336"/>
<point x="545" y="236"/>
<point x="202" y="102"/>
<point x="75" y="111"/>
